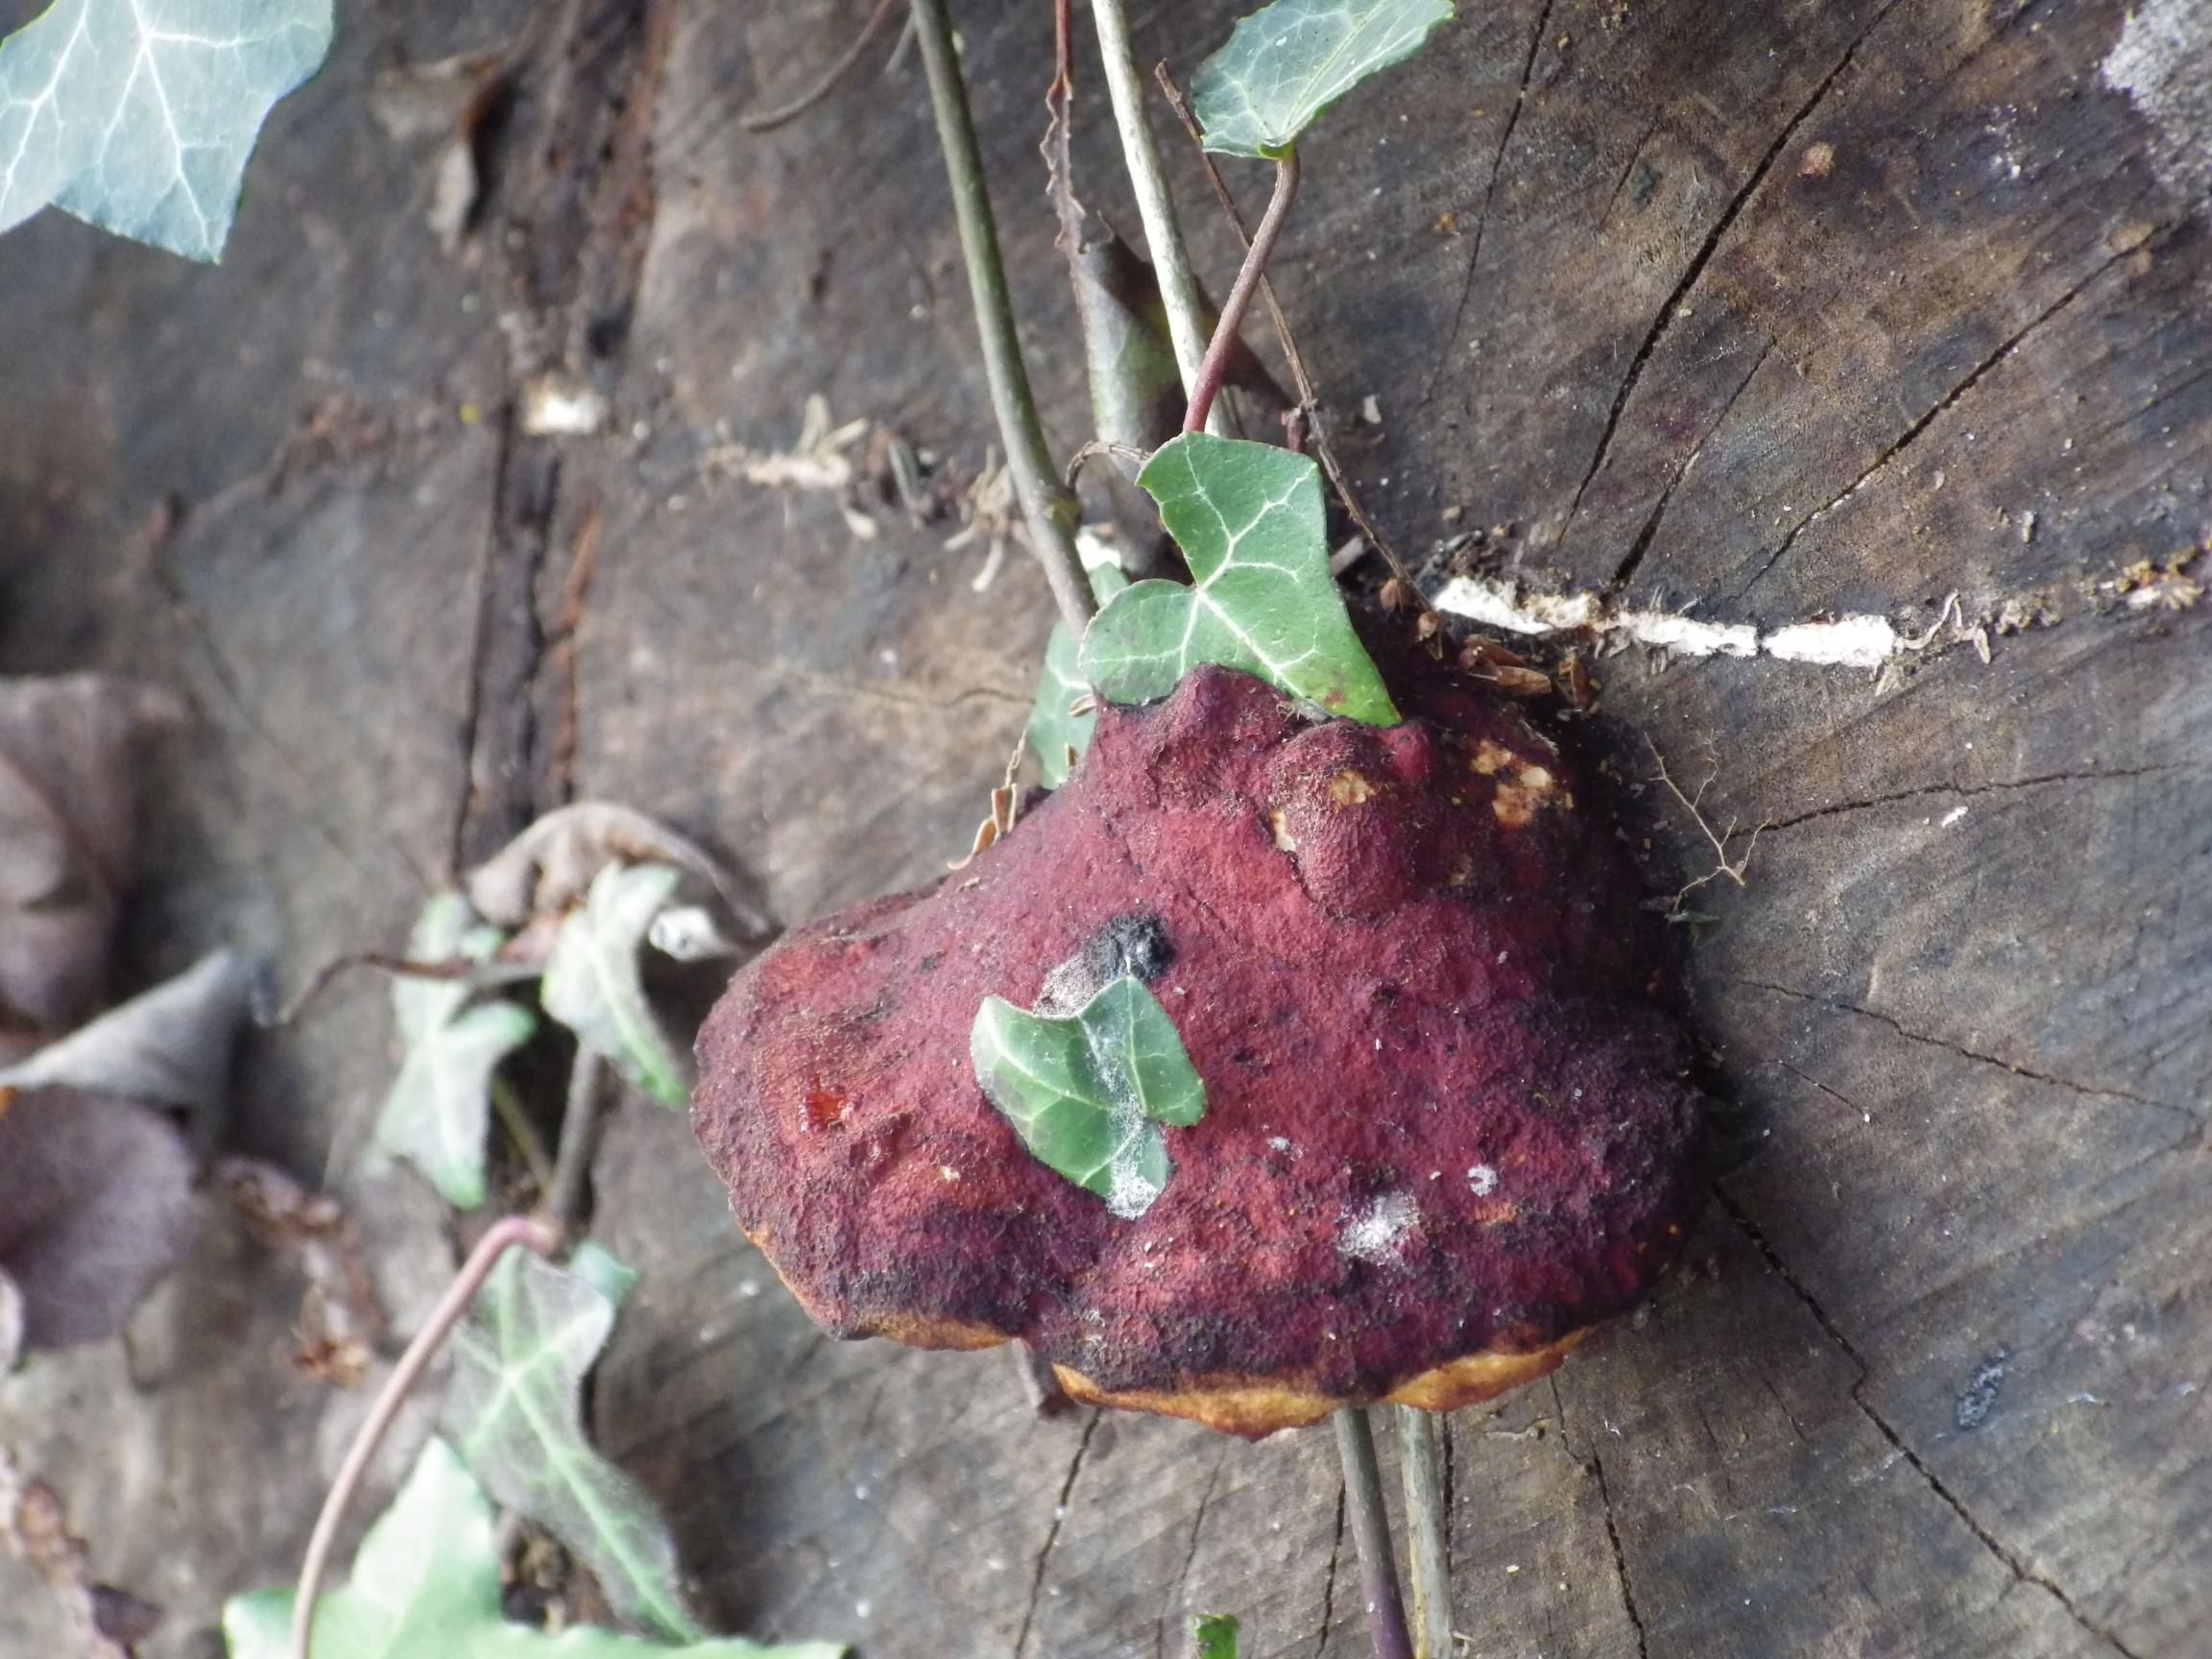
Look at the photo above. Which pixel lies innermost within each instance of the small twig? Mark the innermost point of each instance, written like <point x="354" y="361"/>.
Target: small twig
<point x="582" y="1123"/>
<point x="1302" y="383"/>
<point x="1427" y="1539"/>
<point x="1371" y="1533"/>
<point x="768" y="120"/>
<point x="1155" y="206"/>
<point x="523" y="1132"/>
<point x="480" y="977"/>
<point x="503" y="1236"/>
<point x="1215" y="367"/>
<point x="1046" y="505"/>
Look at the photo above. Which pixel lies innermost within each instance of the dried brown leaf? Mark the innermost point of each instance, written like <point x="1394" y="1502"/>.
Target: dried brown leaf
<point x="65" y="834"/>
<point x="170" y="1047"/>
<point x="544" y="872"/>
<point x="95" y="1207"/>
<point x="340" y="1321"/>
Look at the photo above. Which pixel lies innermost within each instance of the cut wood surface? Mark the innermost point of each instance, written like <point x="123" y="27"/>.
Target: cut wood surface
<point x="1767" y="313"/>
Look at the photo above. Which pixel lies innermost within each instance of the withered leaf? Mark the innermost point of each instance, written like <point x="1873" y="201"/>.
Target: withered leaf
<point x="546" y="870"/>
<point x="65" y="834"/>
<point x="95" y="1207"/>
<point x="170" y="1047"/>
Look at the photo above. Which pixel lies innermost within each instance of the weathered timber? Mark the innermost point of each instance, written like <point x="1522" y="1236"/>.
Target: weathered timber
<point x="1766" y="312"/>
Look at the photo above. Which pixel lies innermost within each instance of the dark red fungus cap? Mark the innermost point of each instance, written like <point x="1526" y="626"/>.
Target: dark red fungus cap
<point x="1445" y="1133"/>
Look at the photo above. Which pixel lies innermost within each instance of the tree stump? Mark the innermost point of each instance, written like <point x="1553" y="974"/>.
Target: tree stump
<point x="1762" y="314"/>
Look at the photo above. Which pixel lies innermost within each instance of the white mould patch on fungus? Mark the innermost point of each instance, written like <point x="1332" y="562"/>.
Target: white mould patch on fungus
<point x="1378" y="1233"/>
<point x="1482" y="1180"/>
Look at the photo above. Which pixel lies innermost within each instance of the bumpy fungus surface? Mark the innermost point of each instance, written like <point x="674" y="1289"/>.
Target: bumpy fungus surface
<point x="1445" y="1131"/>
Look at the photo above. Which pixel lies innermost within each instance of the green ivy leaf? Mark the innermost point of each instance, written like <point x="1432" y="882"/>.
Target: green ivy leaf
<point x="426" y="1582"/>
<point x="139" y="116"/>
<point x="441" y="1103"/>
<point x="1088" y="1092"/>
<point x="1213" y="1635"/>
<point x="1286" y="64"/>
<point x="515" y="1414"/>
<point x="1249" y="520"/>
<point x="592" y="984"/>
<point x="1054" y="733"/>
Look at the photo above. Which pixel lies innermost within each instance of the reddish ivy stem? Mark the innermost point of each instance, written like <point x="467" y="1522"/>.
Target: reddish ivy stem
<point x="504" y="1235"/>
<point x="1215" y="368"/>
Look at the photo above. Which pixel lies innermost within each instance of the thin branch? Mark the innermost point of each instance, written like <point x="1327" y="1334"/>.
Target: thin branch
<point x="1155" y="206"/>
<point x="768" y="120"/>
<point x="1215" y="367"/>
<point x="531" y="1144"/>
<point x="1046" y="505"/>
<point x="1427" y="1538"/>
<point x="581" y="1126"/>
<point x="503" y="1236"/>
<point x="1371" y="1531"/>
<point x="478" y="975"/>
<point x="1309" y="401"/>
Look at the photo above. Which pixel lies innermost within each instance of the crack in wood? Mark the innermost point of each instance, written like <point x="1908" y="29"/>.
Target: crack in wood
<point x="1482" y="213"/>
<point x="1968" y="791"/>
<point x="1053" y="1532"/>
<point x="1664" y="319"/>
<point x="1643" y="542"/>
<point x="2021" y="1569"/>
<point x="572" y="258"/>
<point x="2186" y="1113"/>
<point x="1171" y="1613"/>
<point x="1912" y="433"/>
<point x="1595" y="1463"/>
<point x="1329" y="1584"/>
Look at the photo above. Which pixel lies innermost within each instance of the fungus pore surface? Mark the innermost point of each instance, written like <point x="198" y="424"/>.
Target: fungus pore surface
<point x="1446" y="1129"/>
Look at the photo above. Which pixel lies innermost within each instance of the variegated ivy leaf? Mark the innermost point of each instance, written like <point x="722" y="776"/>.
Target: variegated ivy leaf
<point x="441" y="1103"/>
<point x="1249" y="520"/>
<point x="515" y="1414"/>
<point x="1288" y="62"/>
<point x="1060" y="737"/>
<point x="1086" y="1092"/>
<point x="139" y="115"/>
<point x="592" y="984"/>
<point x="426" y="1582"/>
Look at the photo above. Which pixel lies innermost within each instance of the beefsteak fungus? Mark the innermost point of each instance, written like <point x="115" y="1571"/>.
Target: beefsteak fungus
<point x="1445" y="1131"/>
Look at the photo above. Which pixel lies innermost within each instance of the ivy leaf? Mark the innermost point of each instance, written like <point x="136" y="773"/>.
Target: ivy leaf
<point x="1286" y="64"/>
<point x="427" y="1581"/>
<point x="441" y="1103"/>
<point x="1088" y="1092"/>
<point x="1249" y="520"/>
<point x="1054" y="733"/>
<point x="139" y="115"/>
<point x="592" y="984"/>
<point x="1213" y="1635"/>
<point x="515" y="1416"/>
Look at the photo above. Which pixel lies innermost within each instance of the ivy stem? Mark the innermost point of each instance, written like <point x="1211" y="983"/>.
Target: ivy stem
<point x="1371" y="1533"/>
<point x="1421" y="1464"/>
<point x="1215" y="367"/>
<point x="1155" y="206"/>
<point x="1302" y="382"/>
<point x="1047" y="505"/>
<point x="502" y="1237"/>
<point x="581" y="1124"/>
